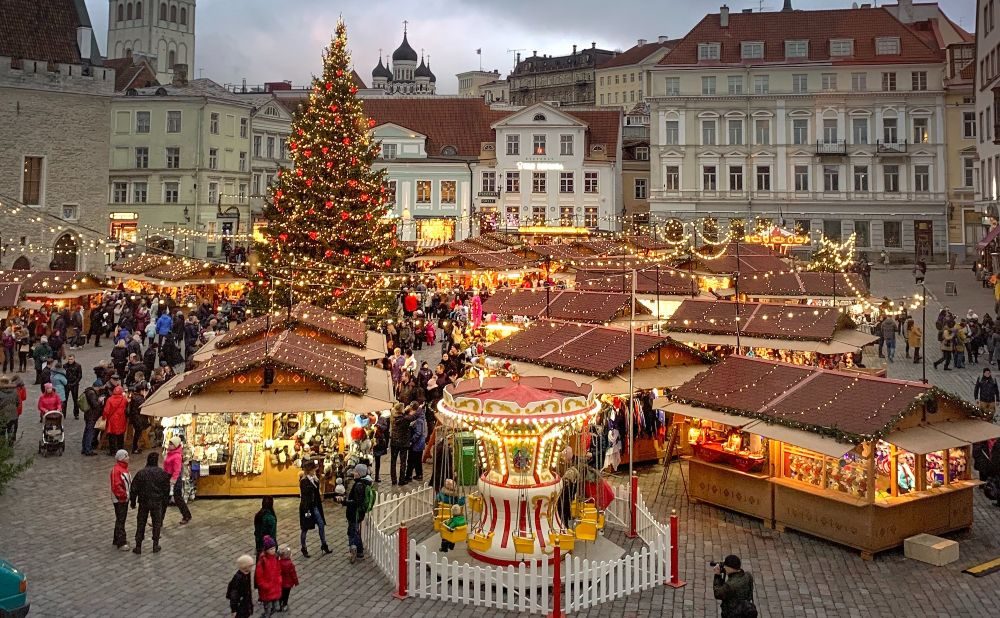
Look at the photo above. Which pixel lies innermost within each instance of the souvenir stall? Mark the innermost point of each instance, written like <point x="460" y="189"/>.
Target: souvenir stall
<point x="797" y="334"/>
<point x="715" y="273"/>
<point x="250" y="415"/>
<point x="55" y="288"/>
<point x="599" y="357"/>
<point x="859" y="460"/>
<point x="187" y="280"/>
<point x="485" y="270"/>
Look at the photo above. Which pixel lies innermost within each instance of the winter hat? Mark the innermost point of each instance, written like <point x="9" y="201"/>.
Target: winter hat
<point x="269" y="542"/>
<point x="361" y="470"/>
<point x="121" y="455"/>
<point x="175" y="442"/>
<point x="48" y="387"/>
<point x="733" y="562"/>
<point x="244" y="561"/>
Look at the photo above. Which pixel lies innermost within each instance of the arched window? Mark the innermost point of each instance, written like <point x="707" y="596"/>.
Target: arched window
<point x="121" y="12"/>
<point x="173" y="14"/>
<point x="171" y="59"/>
<point x="22" y="263"/>
<point x="128" y="11"/>
<point x="163" y="11"/>
<point x="138" y="10"/>
<point x="64" y="253"/>
<point x="184" y="16"/>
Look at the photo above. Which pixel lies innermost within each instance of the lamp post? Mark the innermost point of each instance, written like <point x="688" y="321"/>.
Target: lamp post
<point x="923" y="336"/>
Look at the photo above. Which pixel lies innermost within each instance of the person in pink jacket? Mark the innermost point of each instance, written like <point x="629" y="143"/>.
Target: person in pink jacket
<point x="173" y="464"/>
<point x="267" y="579"/>
<point x="49" y="401"/>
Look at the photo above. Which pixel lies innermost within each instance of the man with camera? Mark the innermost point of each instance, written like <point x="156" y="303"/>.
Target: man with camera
<point x="734" y="588"/>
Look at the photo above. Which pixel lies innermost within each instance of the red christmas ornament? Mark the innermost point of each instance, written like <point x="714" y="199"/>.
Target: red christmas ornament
<point x="298" y="172"/>
<point x="328" y="204"/>
<point x="313" y="235"/>
<point x="340" y="73"/>
<point x="307" y="153"/>
<point x="347" y="252"/>
<point x="394" y="242"/>
<point x="354" y="160"/>
<point x="344" y="215"/>
<point x="311" y="211"/>
<point x="368" y="216"/>
<point x="388" y="262"/>
<point x="333" y="108"/>
<point x="352" y="183"/>
<point x="278" y="193"/>
<point x="282" y="237"/>
<point x="325" y="149"/>
<point x="364" y="197"/>
<point x="354" y="89"/>
<point x="338" y="292"/>
<point x="371" y="123"/>
<point x="322" y="122"/>
<point x="329" y="165"/>
<point x="366" y="259"/>
<point x="347" y="141"/>
<point x="328" y="253"/>
<point x="309" y="182"/>
<point x="329" y="86"/>
<point x="278" y="174"/>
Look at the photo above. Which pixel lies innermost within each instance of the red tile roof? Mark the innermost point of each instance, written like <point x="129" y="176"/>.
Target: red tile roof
<point x="769" y="321"/>
<point x="40" y="30"/>
<point x="638" y="53"/>
<point x="131" y="74"/>
<point x="571" y="305"/>
<point x="818" y="27"/>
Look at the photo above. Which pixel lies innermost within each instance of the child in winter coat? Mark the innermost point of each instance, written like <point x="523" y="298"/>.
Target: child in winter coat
<point x="239" y="593"/>
<point x="289" y="578"/>
<point x="267" y="578"/>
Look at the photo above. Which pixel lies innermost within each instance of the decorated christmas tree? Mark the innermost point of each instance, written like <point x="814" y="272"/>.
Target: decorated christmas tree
<point x="833" y="257"/>
<point x="327" y="233"/>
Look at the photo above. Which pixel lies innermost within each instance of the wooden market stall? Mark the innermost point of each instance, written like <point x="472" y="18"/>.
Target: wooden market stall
<point x="554" y="303"/>
<point x="791" y="333"/>
<point x="600" y="356"/>
<point x="10" y="296"/>
<point x="248" y="416"/>
<point x="802" y="287"/>
<point x="859" y="460"/>
<point x="658" y="287"/>
<point x="489" y="270"/>
<point x="183" y="278"/>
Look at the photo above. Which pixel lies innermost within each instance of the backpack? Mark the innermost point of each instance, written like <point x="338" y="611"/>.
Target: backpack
<point x="370" y="495"/>
<point x="82" y="403"/>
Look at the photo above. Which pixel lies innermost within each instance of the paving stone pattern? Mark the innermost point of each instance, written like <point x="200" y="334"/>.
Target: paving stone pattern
<point x="56" y="524"/>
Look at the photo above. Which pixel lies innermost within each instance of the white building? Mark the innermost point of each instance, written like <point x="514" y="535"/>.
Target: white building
<point x="988" y="114"/>
<point x="831" y="121"/>
<point x="162" y="30"/>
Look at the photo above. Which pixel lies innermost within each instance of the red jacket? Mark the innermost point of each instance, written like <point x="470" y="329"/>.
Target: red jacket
<point x="267" y="578"/>
<point x="114" y="413"/>
<point x="49" y="402"/>
<point x="121" y="482"/>
<point x="22" y="395"/>
<point x="289" y="578"/>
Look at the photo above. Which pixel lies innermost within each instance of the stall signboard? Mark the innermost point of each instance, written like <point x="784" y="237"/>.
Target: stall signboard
<point x="777" y="237"/>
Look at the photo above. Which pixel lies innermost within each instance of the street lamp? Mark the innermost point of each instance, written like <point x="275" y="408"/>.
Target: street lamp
<point x="923" y="336"/>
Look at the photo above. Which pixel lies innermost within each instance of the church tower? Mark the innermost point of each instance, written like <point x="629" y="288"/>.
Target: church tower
<point x="161" y="30"/>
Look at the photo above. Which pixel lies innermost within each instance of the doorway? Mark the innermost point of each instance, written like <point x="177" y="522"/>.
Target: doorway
<point x="65" y="253"/>
<point x="923" y="239"/>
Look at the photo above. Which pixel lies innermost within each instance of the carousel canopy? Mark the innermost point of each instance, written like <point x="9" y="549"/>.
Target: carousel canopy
<point x="571" y="305"/>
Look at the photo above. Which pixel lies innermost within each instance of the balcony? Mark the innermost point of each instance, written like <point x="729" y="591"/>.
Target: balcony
<point x="832" y="148"/>
<point x="891" y="147"/>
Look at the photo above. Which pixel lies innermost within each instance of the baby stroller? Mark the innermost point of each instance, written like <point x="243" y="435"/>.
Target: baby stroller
<point x="53" y="437"/>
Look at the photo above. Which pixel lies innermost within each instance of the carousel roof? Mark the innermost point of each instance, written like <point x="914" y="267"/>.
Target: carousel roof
<point x="571" y="305"/>
<point x="348" y="330"/>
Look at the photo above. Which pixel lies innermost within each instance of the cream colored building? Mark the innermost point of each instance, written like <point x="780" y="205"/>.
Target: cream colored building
<point x="180" y="165"/>
<point x="812" y="124"/>
<point x="470" y="81"/>
<point x="270" y="126"/>
<point x="497" y="91"/>
<point x="620" y="79"/>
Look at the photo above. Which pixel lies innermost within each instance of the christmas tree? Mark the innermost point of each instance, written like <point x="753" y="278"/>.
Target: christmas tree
<point x="327" y="233"/>
<point x="833" y="257"/>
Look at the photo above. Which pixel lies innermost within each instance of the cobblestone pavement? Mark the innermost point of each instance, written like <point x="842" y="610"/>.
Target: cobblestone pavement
<point x="56" y="524"/>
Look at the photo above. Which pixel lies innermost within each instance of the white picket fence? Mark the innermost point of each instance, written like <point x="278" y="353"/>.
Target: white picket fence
<point x="381" y="528"/>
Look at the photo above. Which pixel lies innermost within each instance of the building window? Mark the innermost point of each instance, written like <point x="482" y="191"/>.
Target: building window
<point x="886" y="46"/>
<point x="566" y="145"/>
<point x="969" y="125"/>
<point x="388" y="151"/>
<point x="538" y="214"/>
<point x="173" y="122"/>
<point x="861" y="178"/>
<point x="832" y="229"/>
<point x="831" y="178"/>
<point x="890" y="178"/>
<point x="243" y="161"/>
<point x="538" y="182"/>
<point x="862" y="234"/>
<point x="888" y="81"/>
<point x="859" y="130"/>
<point x="139" y="192"/>
<point x="244" y="128"/>
<point x="390" y="193"/>
<point x="672" y="178"/>
<point x="796" y="49"/>
<point x="213" y="192"/>
<point x="142" y="122"/>
<point x="513" y="145"/>
<point x="70" y="212"/>
<point x="119" y="192"/>
<point x="270" y="147"/>
<point x="921" y="178"/>
<point x="830" y="131"/>
<point x="841" y="47"/>
<point x="141" y="157"/>
<point x="859" y="82"/>
<point x="709" y="51"/>
<point x="918" y="80"/>
<point x="708" y="132"/>
<point x="448" y="192"/>
<point x="801" y="177"/>
<point x="213" y="123"/>
<point x="828" y="81"/>
<point x="709" y="182"/>
<point x="642" y="153"/>
<point x="762" y="131"/>
<point x="735" y="177"/>
<point x="673" y="86"/>
<point x="566" y="215"/>
<point x="489" y="182"/>
<point x="968" y="172"/>
<point x="641" y="186"/>
<point x="708" y="85"/>
<point x="800" y="82"/>
<point x="761" y="84"/>
<point x="672" y="134"/>
<point x="255" y="184"/>
<point x="752" y="49"/>
<point x="735" y="84"/>
<point x="566" y="182"/>
<point x="163" y="11"/>
<point x="171" y="192"/>
<point x="800" y="131"/>
<point x="892" y="232"/>
<point x="890" y="133"/>
<point x="763" y="177"/>
<point x="513" y="182"/>
<point x="921" y="134"/>
<point x="538" y="144"/>
<point x="590" y="216"/>
<point x="213" y="158"/>
<point x="735" y="132"/>
<point x="173" y="157"/>
<point x="256" y="145"/>
<point x="423" y="192"/>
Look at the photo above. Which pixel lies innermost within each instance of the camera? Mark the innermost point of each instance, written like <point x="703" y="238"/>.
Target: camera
<point x="714" y="563"/>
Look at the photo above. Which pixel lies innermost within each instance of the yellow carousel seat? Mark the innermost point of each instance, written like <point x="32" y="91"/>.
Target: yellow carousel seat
<point x="524" y="544"/>
<point x="456" y="535"/>
<point x="567" y="540"/>
<point x="480" y="542"/>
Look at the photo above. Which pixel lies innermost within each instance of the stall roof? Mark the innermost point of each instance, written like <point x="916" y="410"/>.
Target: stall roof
<point x="851" y="406"/>
<point x="728" y="264"/>
<point x="346" y="329"/>
<point x="762" y="320"/>
<point x="672" y="282"/>
<point x="561" y="252"/>
<point x="923" y="439"/>
<point x="49" y="282"/>
<point x="493" y="260"/>
<point x="804" y="284"/>
<point x="155" y="267"/>
<point x="10" y="293"/>
<point x="647" y="378"/>
<point x="571" y="305"/>
<point x="970" y="430"/>
<point x="138" y="264"/>
<point x="577" y="348"/>
<point x="598" y="246"/>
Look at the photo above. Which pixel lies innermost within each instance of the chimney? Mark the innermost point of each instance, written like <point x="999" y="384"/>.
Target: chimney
<point x="788" y="6"/>
<point x="83" y="37"/>
<point x="724" y="16"/>
<point x="534" y="53"/>
<point x="180" y="75"/>
<point x="518" y="58"/>
<point x="641" y="42"/>
<point x="574" y="49"/>
<point x="906" y="11"/>
<point x="662" y="39"/>
<point x="593" y="45"/>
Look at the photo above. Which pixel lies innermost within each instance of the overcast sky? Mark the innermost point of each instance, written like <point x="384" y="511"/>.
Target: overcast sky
<point x="268" y="40"/>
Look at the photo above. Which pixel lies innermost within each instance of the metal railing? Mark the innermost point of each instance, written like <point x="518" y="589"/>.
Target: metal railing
<point x="836" y="147"/>
<point x="797" y="196"/>
<point x="897" y="147"/>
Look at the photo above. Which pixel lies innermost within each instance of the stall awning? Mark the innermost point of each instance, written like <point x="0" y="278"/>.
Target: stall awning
<point x="970" y="430"/>
<point x="844" y="342"/>
<point x="711" y="415"/>
<point x="801" y="438"/>
<point x="923" y="439"/>
<point x="990" y="237"/>
<point x="653" y="377"/>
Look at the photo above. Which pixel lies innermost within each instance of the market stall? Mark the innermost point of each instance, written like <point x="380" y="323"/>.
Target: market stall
<point x="484" y="270"/>
<point x="859" y="460"/>
<point x="518" y="304"/>
<point x="186" y="279"/>
<point x="10" y="296"/>
<point x="802" y="287"/>
<point x="249" y="416"/>
<point x="658" y="287"/>
<point x="715" y="273"/>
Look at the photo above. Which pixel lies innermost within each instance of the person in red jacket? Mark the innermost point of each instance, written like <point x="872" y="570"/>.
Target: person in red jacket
<point x="49" y="401"/>
<point x="114" y="416"/>
<point x="267" y="578"/>
<point x="289" y="577"/>
<point x="121" y="484"/>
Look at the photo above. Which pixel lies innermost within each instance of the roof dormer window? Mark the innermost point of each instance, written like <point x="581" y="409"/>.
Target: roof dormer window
<point x="842" y="47"/>
<point x="887" y="46"/>
<point x="752" y="49"/>
<point x="796" y="49"/>
<point x="709" y="51"/>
